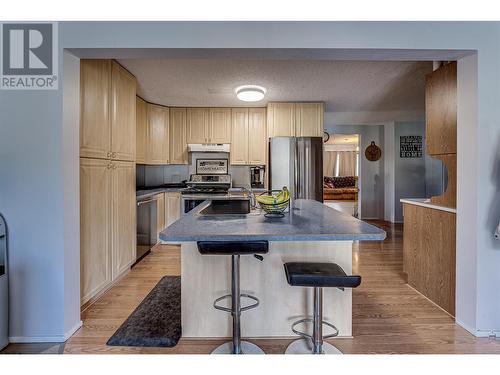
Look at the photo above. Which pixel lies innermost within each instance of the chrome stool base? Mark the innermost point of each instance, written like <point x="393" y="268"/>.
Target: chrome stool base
<point x="305" y="346"/>
<point x="246" y="348"/>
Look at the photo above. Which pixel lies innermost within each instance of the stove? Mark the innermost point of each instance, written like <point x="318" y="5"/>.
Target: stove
<point x="204" y="190"/>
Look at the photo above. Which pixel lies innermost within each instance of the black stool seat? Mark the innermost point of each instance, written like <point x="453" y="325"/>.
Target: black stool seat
<point x="233" y="247"/>
<point x="319" y="275"/>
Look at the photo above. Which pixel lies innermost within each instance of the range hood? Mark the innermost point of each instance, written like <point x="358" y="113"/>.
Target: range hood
<point x="208" y="147"/>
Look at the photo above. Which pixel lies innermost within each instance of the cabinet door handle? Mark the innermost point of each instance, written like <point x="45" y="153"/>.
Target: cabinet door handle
<point x="109" y="154"/>
<point x="113" y="155"/>
<point x="109" y="165"/>
<point x="114" y="166"/>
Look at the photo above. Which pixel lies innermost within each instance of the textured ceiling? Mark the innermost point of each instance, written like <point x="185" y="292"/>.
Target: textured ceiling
<point x="343" y="85"/>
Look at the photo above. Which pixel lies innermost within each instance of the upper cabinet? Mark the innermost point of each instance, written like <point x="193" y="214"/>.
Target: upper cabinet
<point x="441" y="110"/>
<point x="95" y="86"/>
<point x="197" y="125"/>
<point x="107" y="123"/>
<point x="239" y="136"/>
<point x="157" y="135"/>
<point x="257" y="138"/>
<point x="248" y="136"/>
<point x="141" y="130"/>
<point x="281" y="119"/>
<point x="178" y="136"/>
<point x="220" y="125"/>
<point x="309" y="119"/>
<point x="123" y="92"/>
<point x="208" y="125"/>
<point x="295" y="119"/>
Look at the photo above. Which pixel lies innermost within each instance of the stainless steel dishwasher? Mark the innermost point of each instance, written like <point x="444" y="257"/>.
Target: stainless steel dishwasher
<point x="146" y="226"/>
<point x="4" y="286"/>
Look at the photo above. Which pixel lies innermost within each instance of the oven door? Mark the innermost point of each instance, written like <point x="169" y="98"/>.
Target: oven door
<point x="146" y="226"/>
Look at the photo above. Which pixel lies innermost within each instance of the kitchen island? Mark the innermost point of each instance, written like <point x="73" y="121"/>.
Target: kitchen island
<point x="311" y="231"/>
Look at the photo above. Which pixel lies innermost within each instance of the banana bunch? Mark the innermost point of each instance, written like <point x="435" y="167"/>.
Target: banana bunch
<point x="281" y="197"/>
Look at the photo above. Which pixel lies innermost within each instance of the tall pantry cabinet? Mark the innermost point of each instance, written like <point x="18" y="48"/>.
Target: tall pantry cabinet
<point x="107" y="174"/>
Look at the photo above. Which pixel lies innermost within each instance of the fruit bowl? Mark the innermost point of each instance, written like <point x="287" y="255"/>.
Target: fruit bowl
<point x="271" y="205"/>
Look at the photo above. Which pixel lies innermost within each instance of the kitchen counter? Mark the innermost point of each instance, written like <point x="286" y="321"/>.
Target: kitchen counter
<point x="308" y="220"/>
<point x="425" y="202"/>
<point x="148" y="193"/>
<point x="311" y="232"/>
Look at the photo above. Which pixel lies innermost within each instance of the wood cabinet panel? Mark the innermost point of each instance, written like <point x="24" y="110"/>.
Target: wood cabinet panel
<point x="441" y="110"/>
<point x="309" y="119"/>
<point x="157" y="148"/>
<point x="257" y="137"/>
<point x="123" y="121"/>
<point x="160" y="215"/>
<point x="197" y="125"/>
<point x="449" y="197"/>
<point x="429" y="242"/>
<point x="281" y="119"/>
<point x="123" y="212"/>
<point x="95" y="130"/>
<point x="178" y="136"/>
<point x="220" y="125"/>
<point x="141" y="130"/>
<point x="95" y="227"/>
<point x="239" y="136"/>
<point x="172" y="207"/>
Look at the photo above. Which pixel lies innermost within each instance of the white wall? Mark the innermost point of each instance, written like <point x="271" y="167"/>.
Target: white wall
<point x="32" y="184"/>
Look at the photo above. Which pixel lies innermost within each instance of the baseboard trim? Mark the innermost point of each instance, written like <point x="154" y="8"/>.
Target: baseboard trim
<point x="37" y="339"/>
<point x="479" y="332"/>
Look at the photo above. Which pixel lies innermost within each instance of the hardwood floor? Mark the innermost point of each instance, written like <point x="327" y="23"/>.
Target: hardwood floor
<point x="388" y="315"/>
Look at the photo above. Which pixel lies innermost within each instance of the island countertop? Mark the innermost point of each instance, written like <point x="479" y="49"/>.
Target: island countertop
<point x="308" y="220"/>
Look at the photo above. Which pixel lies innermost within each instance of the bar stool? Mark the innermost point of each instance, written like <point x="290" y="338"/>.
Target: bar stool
<point x="235" y="249"/>
<point x="318" y="276"/>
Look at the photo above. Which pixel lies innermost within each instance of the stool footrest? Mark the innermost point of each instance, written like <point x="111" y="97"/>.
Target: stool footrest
<point x="310" y="320"/>
<point x="244" y="308"/>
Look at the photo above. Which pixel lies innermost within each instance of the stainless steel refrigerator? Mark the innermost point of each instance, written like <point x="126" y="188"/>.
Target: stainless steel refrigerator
<point x="297" y="163"/>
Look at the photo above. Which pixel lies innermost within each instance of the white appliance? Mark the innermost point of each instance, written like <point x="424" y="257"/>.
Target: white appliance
<point x="209" y="147"/>
<point x="4" y="286"/>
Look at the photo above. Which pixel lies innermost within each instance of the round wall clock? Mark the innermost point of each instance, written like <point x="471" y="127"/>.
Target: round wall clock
<point x="373" y="152"/>
<point x="326" y="137"/>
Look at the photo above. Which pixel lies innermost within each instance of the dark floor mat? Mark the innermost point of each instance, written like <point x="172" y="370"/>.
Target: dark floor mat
<point x="156" y="322"/>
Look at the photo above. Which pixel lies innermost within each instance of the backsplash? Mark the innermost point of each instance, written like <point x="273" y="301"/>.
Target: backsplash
<point x="155" y="175"/>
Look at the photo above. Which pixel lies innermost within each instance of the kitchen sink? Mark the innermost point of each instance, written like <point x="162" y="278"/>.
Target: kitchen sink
<point x="227" y="207"/>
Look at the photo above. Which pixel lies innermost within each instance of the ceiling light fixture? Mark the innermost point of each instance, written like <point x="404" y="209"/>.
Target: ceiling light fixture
<point x="250" y="93"/>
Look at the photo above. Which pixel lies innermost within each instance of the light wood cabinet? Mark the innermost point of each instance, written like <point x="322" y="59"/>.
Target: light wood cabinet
<point x="219" y="125"/>
<point x="257" y="139"/>
<point x="123" y="100"/>
<point x="157" y="134"/>
<point x="95" y="130"/>
<point x="197" y="121"/>
<point x="160" y="215"/>
<point x="248" y="136"/>
<point x="107" y="124"/>
<point x="141" y="130"/>
<point x="172" y="207"/>
<point x="239" y="136"/>
<point x="309" y="119"/>
<point x="123" y="217"/>
<point x="107" y="223"/>
<point x="208" y="125"/>
<point x="95" y="220"/>
<point x="281" y="119"/>
<point x="441" y="110"/>
<point x="178" y="136"/>
<point x="295" y="119"/>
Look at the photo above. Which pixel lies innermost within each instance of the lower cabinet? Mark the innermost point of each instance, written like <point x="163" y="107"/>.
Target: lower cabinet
<point x="429" y="258"/>
<point x="107" y="223"/>
<point x="172" y="207"/>
<point x="160" y="215"/>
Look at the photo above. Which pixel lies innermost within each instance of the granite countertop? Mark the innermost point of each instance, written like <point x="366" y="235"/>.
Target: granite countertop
<point x="308" y="220"/>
